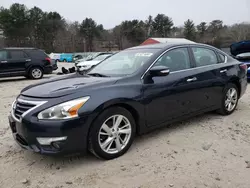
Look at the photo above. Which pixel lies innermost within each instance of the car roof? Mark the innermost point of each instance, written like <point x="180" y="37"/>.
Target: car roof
<point x="164" y="46"/>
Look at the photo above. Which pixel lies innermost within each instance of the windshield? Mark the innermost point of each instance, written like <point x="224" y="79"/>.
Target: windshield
<point x="124" y="63"/>
<point x="101" y="57"/>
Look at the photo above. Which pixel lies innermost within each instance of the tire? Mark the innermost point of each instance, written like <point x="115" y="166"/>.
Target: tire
<point x="36" y="73"/>
<point x="224" y="109"/>
<point x="96" y="139"/>
<point x="64" y="60"/>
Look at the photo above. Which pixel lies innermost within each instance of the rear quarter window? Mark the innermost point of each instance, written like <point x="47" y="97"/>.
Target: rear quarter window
<point x="222" y="58"/>
<point x="37" y="54"/>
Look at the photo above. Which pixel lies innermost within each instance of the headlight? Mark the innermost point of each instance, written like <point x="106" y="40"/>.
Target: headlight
<point x="65" y="110"/>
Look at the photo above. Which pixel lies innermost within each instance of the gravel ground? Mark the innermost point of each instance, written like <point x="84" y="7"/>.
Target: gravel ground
<point x="206" y="151"/>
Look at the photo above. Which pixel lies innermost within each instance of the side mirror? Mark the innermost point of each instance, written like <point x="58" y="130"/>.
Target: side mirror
<point x="159" y="71"/>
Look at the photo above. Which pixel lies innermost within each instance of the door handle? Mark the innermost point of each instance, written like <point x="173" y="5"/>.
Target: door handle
<point x="192" y="79"/>
<point x="224" y="70"/>
<point x="28" y="60"/>
<point x="4" y="61"/>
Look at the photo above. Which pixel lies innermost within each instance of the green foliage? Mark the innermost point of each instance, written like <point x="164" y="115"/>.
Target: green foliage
<point x="162" y="25"/>
<point x="89" y="29"/>
<point x="49" y="31"/>
<point x="189" y="30"/>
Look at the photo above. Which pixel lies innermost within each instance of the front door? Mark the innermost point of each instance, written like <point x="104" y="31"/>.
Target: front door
<point x="174" y="95"/>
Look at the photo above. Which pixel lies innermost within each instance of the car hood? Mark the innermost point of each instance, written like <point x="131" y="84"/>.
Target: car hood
<point x="88" y="63"/>
<point x="240" y="47"/>
<point x="66" y="85"/>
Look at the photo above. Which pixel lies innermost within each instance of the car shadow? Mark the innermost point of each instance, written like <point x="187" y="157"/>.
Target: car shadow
<point x="78" y="160"/>
<point x="16" y="79"/>
<point x="19" y="79"/>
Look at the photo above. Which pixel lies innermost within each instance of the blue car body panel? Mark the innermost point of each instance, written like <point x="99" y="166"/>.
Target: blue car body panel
<point x="66" y="57"/>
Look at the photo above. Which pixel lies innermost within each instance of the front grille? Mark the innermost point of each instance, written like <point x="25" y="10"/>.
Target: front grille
<point x="21" y="108"/>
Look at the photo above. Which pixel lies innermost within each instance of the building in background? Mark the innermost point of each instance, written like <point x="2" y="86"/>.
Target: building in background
<point x="166" y="40"/>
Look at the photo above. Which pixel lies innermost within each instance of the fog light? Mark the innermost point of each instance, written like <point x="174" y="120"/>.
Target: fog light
<point x="56" y="145"/>
<point x="48" y="141"/>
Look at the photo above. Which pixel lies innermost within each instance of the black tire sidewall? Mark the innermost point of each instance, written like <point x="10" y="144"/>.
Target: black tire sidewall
<point x="94" y="146"/>
<point x="223" y="108"/>
<point x="30" y="73"/>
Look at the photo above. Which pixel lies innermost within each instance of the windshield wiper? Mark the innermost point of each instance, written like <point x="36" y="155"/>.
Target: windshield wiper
<point x="97" y="75"/>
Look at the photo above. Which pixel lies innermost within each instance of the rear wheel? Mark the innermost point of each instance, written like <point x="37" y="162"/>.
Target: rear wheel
<point x="229" y="100"/>
<point x="36" y="73"/>
<point x="112" y="133"/>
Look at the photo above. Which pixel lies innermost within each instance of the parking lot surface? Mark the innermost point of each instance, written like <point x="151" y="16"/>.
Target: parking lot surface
<point x="206" y="151"/>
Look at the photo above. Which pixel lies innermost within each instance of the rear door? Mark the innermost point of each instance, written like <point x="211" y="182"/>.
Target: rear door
<point x="208" y="68"/>
<point x="17" y="61"/>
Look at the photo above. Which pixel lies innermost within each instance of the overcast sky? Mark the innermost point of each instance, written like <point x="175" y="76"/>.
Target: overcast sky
<point x="112" y="12"/>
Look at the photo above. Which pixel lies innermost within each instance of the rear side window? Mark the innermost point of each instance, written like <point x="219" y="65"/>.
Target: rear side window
<point x="37" y="54"/>
<point x="17" y="54"/>
<point x="204" y="56"/>
<point x="3" y="55"/>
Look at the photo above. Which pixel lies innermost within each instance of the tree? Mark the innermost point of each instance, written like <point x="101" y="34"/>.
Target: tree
<point x="239" y="32"/>
<point x="35" y="19"/>
<point x="149" y="26"/>
<point x="90" y="30"/>
<point x="134" y="31"/>
<point x="189" y="30"/>
<point x="15" y="23"/>
<point x="162" y="25"/>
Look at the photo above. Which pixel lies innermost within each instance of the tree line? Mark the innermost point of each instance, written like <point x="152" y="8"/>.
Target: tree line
<point x="23" y="27"/>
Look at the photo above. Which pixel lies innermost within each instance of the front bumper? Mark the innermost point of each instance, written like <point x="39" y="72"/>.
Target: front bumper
<point x="75" y="131"/>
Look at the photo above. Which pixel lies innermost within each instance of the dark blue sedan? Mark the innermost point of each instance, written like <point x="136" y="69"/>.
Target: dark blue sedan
<point x="130" y="93"/>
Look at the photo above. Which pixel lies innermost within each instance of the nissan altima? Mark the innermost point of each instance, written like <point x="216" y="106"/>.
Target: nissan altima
<point x="130" y="93"/>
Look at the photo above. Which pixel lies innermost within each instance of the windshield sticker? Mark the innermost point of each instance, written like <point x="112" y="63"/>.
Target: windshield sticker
<point x="143" y="54"/>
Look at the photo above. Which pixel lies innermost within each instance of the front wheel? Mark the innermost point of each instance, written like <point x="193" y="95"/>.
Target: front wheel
<point x="36" y="73"/>
<point x="229" y="100"/>
<point x="112" y="133"/>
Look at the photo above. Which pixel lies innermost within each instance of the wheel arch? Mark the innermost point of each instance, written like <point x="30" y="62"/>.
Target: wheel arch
<point x="32" y="66"/>
<point x="236" y="82"/>
<point x="135" y="109"/>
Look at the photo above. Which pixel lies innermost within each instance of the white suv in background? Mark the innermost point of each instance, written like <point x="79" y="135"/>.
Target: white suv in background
<point x="86" y="65"/>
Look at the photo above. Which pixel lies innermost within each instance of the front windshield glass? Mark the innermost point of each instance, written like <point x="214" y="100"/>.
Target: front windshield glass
<point x="124" y="63"/>
<point x="101" y="57"/>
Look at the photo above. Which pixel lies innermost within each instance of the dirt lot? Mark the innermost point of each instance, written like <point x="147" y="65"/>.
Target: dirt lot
<point x="206" y="151"/>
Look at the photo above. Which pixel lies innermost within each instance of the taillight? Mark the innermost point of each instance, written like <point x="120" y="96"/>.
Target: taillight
<point x="48" y="59"/>
<point x="244" y="66"/>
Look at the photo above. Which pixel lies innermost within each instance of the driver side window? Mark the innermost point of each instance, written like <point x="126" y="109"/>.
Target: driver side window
<point x="175" y="60"/>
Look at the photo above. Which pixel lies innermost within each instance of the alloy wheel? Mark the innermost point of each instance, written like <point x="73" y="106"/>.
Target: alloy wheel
<point x="36" y="73"/>
<point x="114" y="134"/>
<point x="231" y="99"/>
